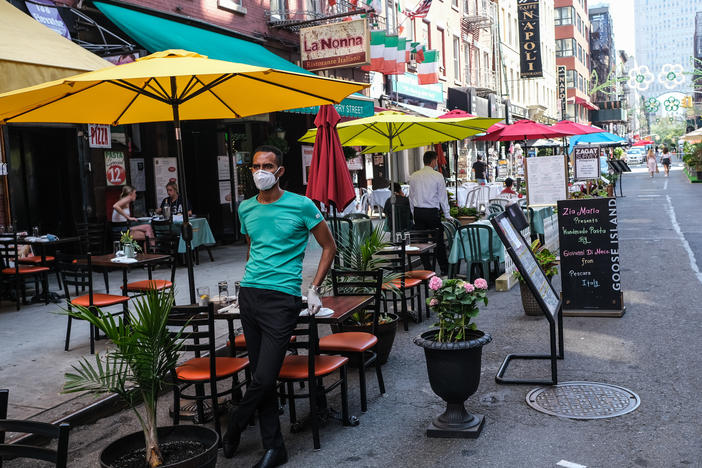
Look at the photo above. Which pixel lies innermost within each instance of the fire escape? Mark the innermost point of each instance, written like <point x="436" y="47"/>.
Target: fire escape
<point x="320" y="13"/>
<point x="479" y="16"/>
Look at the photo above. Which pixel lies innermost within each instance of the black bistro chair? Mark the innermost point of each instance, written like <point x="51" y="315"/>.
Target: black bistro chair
<point x="15" y="274"/>
<point x="58" y="457"/>
<point x="360" y="343"/>
<point x="164" y="246"/>
<point x="312" y="368"/>
<point x="395" y="260"/>
<point x="195" y="326"/>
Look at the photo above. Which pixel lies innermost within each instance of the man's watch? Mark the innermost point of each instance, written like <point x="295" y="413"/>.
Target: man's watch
<point x="314" y="288"/>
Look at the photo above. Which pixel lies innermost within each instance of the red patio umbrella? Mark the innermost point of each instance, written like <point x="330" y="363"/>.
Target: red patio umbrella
<point x="455" y="114"/>
<point x="329" y="180"/>
<point x="492" y="133"/>
<point x="574" y="128"/>
<point x="528" y="130"/>
<point x="644" y="143"/>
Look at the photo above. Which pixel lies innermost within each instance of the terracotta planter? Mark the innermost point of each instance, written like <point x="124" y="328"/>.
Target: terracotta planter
<point x="464" y="220"/>
<point x="454" y="375"/>
<point x="385" y="333"/>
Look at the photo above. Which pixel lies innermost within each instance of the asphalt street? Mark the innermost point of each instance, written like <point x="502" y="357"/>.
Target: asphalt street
<point x="654" y="350"/>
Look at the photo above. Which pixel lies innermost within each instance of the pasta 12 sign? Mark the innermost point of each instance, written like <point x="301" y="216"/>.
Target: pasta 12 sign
<point x="115" y="170"/>
<point x="529" y="39"/>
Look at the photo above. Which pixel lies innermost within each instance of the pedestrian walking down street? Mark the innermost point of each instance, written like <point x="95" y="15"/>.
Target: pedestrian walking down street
<point x="480" y="170"/>
<point x="665" y="160"/>
<point x="276" y="224"/>
<point x="651" y="162"/>
<point x="428" y="198"/>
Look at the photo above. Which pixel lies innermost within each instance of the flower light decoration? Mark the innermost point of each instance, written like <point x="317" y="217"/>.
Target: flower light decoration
<point x="640" y="78"/>
<point x="652" y="105"/>
<point x="672" y="104"/>
<point x="671" y="76"/>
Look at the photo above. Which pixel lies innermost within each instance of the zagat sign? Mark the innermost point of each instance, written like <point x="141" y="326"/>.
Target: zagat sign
<point x="335" y="45"/>
<point x="529" y="39"/>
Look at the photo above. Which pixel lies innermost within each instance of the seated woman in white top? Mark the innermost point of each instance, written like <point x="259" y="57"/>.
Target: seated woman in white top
<point x="121" y="212"/>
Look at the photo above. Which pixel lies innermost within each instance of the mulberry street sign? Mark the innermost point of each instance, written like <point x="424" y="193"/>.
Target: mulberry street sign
<point x="335" y="45"/>
<point x="529" y="39"/>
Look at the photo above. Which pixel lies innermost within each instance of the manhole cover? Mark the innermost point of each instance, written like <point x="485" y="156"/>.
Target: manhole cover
<point x="583" y="400"/>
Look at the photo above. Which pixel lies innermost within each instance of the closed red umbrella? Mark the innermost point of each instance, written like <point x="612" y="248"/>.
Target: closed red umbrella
<point x="574" y="128"/>
<point x="329" y="180"/>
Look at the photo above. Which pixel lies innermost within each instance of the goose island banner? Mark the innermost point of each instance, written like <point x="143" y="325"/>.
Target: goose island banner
<point x="529" y="39"/>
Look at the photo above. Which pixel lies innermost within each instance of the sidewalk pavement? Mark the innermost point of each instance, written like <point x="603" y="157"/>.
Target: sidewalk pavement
<point x="653" y="350"/>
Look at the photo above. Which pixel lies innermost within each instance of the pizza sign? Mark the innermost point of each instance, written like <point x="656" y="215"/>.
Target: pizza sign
<point x="99" y="136"/>
<point x="115" y="170"/>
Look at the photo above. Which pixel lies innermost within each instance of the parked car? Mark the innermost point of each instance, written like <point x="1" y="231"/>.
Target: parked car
<point x="634" y="156"/>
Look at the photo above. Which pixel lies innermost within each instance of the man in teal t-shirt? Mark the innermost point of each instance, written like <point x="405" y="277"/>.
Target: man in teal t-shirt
<point x="276" y="224"/>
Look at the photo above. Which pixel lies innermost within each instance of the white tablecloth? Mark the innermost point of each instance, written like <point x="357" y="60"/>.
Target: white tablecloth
<point x="379" y="197"/>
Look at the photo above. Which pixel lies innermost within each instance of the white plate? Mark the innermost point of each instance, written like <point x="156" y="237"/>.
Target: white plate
<point x="323" y="312"/>
<point x="411" y="248"/>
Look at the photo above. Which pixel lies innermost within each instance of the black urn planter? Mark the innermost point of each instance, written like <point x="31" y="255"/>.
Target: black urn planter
<point x="184" y="433"/>
<point x="385" y="333"/>
<point x="454" y="375"/>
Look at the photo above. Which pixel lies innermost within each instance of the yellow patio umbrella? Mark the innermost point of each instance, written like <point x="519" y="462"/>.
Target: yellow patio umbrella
<point x="171" y="85"/>
<point x="390" y="131"/>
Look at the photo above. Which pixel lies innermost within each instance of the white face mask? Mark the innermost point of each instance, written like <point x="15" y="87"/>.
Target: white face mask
<point x="264" y="179"/>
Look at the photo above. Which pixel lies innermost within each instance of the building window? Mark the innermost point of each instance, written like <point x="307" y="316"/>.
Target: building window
<point x="571" y="80"/>
<point x="454" y="3"/>
<point x="456" y="58"/>
<point x="565" y="47"/>
<point x="564" y="16"/>
<point x="443" y="52"/>
<point x="426" y="34"/>
<point x="580" y="52"/>
<point x="579" y="23"/>
<point x="581" y="83"/>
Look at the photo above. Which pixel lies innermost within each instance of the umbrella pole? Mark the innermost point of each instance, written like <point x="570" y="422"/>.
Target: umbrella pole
<point x="392" y="194"/>
<point x="186" y="228"/>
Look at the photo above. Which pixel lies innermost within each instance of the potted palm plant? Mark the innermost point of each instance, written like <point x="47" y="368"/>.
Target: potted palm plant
<point x="137" y="369"/>
<point x="359" y="254"/>
<point x="547" y="261"/>
<point x="453" y="353"/>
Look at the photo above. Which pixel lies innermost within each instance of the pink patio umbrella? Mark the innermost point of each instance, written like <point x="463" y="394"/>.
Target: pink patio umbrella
<point x="574" y="128"/>
<point x="455" y="114"/>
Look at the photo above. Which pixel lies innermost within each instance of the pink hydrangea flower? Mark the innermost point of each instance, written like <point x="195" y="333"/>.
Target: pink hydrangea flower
<point x="469" y="287"/>
<point x="435" y="283"/>
<point x="480" y="283"/>
<point x="433" y="302"/>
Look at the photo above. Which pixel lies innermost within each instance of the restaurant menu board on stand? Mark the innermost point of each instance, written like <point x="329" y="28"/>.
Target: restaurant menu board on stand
<point x="590" y="270"/>
<point x="165" y="170"/>
<point x="587" y="162"/>
<point x="546" y="180"/>
<point x="526" y="263"/>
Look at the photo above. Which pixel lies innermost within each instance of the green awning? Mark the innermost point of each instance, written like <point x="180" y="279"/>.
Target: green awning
<point x="156" y="33"/>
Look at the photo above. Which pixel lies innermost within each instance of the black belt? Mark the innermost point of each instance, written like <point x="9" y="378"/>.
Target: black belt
<point x="421" y="208"/>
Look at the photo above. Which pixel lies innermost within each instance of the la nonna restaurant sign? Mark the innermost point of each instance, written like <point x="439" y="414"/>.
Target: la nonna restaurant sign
<point x="335" y="45"/>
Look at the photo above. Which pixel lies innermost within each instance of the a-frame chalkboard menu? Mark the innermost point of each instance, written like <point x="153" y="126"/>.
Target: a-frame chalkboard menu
<point x="506" y="224"/>
<point x="590" y="270"/>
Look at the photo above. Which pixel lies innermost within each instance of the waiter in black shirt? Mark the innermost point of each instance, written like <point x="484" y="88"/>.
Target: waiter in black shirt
<point x="479" y="170"/>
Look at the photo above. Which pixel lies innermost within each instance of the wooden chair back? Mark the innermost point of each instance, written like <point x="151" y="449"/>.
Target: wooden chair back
<point x="9" y="252"/>
<point x="58" y="457"/>
<point x="355" y="283"/>
<point x="92" y="237"/>
<point x="194" y="324"/>
<point x="76" y="273"/>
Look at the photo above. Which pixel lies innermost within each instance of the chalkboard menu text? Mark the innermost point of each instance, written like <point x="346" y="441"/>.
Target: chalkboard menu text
<point x="589" y="245"/>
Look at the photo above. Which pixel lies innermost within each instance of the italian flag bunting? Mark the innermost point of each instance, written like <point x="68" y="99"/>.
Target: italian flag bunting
<point x="418" y="51"/>
<point x="377" y="51"/>
<point x="402" y="54"/>
<point x="428" y="70"/>
<point x="390" y="55"/>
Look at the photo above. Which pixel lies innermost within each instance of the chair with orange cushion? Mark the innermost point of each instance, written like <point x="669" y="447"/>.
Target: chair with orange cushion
<point x="362" y="344"/>
<point x="395" y="260"/>
<point x="77" y="274"/>
<point x="13" y="272"/>
<point x="165" y="246"/>
<point x="194" y="324"/>
<point x="420" y="236"/>
<point x="312" y="368"/>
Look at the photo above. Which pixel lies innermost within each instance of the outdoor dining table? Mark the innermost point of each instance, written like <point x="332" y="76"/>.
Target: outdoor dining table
<point x="202" y="233"/>
<point x="457" y="253"/>
<point x="142" y="259"/>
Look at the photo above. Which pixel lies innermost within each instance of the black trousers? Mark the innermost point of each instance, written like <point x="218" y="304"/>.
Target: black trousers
<point x="430" y="218"/>
<point x="268" y="318"/>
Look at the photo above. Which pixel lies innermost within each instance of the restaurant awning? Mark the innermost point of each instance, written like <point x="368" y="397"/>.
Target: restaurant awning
<point x="585" y="103"/>
<point x="31" y="53"/>
<point x="162" y="31"/>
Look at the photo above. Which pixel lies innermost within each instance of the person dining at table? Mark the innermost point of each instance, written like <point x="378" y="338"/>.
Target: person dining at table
<point x="121" y="212"/>
<point x="172" y="200"/>
<point x="403" y="212"/>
